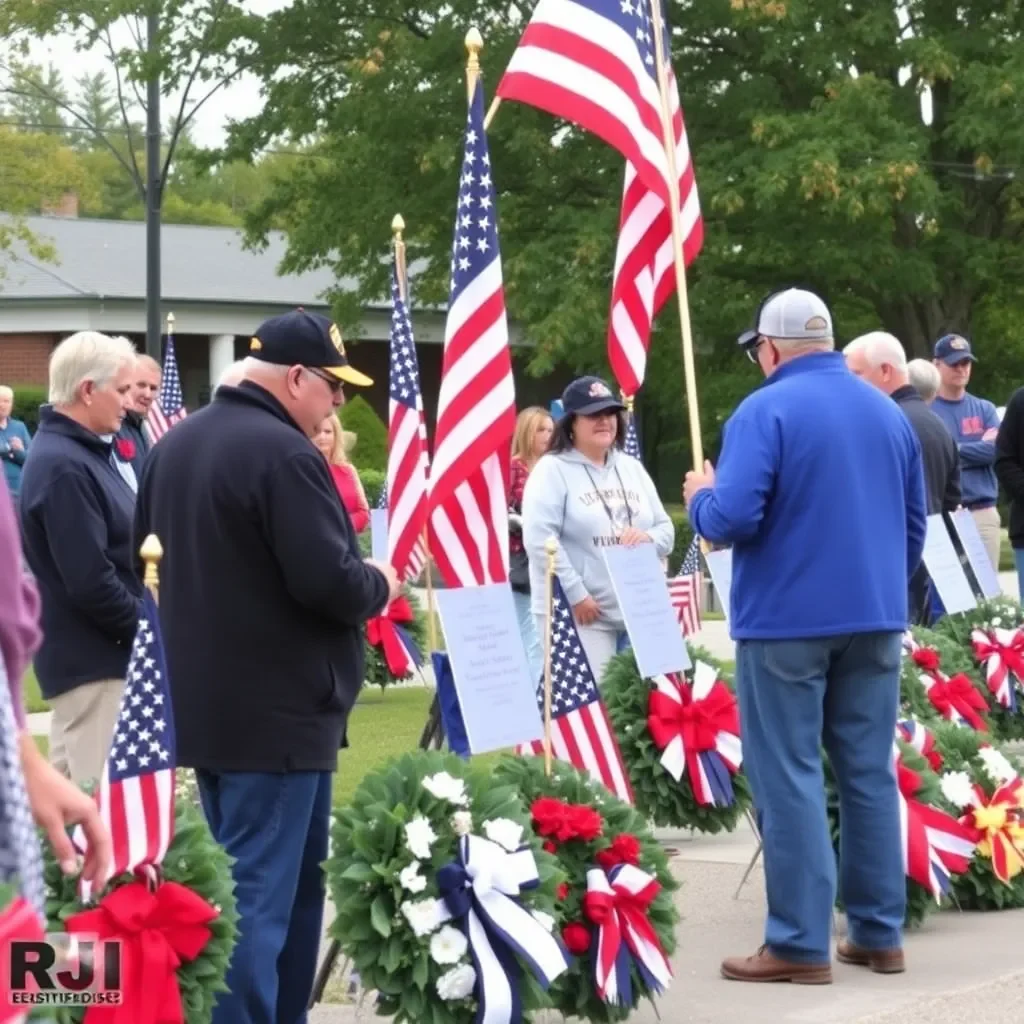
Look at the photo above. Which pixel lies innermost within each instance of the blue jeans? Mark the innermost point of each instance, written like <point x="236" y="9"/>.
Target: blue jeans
<point x="1018" y="557"/>
<point x="528" y="630"/>
<point x="793" y="695"/>
<point x="276" y="827"/>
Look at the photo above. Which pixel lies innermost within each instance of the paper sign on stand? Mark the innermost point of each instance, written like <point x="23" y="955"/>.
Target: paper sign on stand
<point x="977" y="553"/>
<point x="719" y="565"/>
<point x="379" y="534"/>
<point x="943" y="565"/>
<point x="642" y="592"/>
<point x="497" y="696"/>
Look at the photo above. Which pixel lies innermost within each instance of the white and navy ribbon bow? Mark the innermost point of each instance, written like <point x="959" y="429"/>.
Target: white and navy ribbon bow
<point x="617" y="903"/>
<point x="480" y="892"/>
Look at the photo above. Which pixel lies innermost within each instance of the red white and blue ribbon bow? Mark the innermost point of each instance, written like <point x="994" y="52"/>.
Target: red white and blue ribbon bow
<point x="922" y="739"/>
<point x="935" y="845"/>
<point x="954" y="697"/>
<point x="388" y="633"/>
<point x="698" y="730"/>
<point x="480" y="892"/>
<point x="617" y="903"/>
<point x="1001" y="651"/>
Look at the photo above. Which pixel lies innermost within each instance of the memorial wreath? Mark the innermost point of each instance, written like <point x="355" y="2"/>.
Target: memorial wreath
<point x="938" y="682"/>
<point x="395" y="641"/>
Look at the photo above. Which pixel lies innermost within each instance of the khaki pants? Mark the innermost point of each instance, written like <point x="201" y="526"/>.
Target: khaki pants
<point x="987" y="521"/>
<point x="82" y="728"/>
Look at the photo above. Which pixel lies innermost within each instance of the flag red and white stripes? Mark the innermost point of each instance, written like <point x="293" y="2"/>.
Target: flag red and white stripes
<point x="169" y="407"/>
<point x="684" y="590"/>
<point x="476" y="408"/>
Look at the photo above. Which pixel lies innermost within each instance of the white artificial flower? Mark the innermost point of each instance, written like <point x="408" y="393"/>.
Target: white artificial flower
<point x="957" y="788"/>
<point x="998" y="768"/>
<point x="424" y="916"/>
<point x="457" y="983"/>
<point x="504" y="832"/>
<point x="462" y="823"/>
<point x="546" y="921"/>
<point x="411" y="878"/>
<point x="995" y="621"/>
<point x="448" y="946"/>
<point x="419" y="837"/>
<point x="446" y="787"/>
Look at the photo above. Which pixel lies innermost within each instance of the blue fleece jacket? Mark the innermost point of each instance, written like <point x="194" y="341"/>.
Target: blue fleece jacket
<point x="974" y="424"/>
<point x="820" y="490"/>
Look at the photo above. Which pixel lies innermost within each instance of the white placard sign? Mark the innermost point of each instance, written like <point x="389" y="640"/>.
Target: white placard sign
<point x="943" y="565"/>
<point x="977" y="553"/>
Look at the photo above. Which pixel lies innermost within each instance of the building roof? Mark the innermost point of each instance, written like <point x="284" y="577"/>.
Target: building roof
<point x="106" y="259"/>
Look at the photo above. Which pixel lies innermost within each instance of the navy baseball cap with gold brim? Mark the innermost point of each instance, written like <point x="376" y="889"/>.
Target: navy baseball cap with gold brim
<point x="308" y="339"/>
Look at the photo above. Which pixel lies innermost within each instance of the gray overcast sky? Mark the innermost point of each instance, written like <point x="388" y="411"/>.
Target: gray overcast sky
<point x="238" y="100"/>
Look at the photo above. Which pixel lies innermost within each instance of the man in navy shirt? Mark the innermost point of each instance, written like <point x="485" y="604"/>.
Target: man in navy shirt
<point x="974" y="424"/>
<point x="819" y="490"/>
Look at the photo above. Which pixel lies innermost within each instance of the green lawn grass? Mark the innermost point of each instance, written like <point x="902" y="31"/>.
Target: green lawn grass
<point x="33" y="698"/>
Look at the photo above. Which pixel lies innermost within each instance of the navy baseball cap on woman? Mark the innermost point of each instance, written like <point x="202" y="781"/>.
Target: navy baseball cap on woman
<point x="305" y="339"/>
<point x="588" y="395"/>
<point x="953" y="349"/>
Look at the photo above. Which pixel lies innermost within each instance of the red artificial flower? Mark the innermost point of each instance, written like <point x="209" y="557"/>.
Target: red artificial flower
<point x="927" y="658"/>
<point x="125" y="448"/>
<point x="550" y="847"/>
<point x="551" y="818"/>
<point x="625" y="849"/>
<point x="562" y="892"/>
<point x="586" y="823"/>
<point x="576" y="938"/>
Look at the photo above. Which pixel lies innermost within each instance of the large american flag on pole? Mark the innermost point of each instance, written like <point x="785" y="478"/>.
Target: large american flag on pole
<point x="684" y="590"/>
<point x="593" y="62"/>
<point x="476" y="406"/>
<point x="407" y="446"/>
<point x="580" y="731"/>
<point x="136" y="791"/>
<point x="169" y="407"/>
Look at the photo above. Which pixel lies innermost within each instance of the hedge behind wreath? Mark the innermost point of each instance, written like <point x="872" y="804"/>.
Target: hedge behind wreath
<point x="377" y="672"/>
<point x="659" y="797"/>
<point x="623" y="838"/>
<point x="194" y="860"/>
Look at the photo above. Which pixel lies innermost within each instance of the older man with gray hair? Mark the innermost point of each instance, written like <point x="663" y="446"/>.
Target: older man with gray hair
<point x="76" y="511"/>
<point x="925" y="378"/>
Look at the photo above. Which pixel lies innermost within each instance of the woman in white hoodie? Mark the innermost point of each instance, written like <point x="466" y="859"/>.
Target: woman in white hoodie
<point x="589" y="495"/>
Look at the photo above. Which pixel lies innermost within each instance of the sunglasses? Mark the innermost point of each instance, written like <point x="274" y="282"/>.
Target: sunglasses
<point x="332" y="382"/>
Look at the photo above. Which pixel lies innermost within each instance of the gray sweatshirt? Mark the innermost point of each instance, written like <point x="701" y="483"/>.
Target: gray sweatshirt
<point x="561" y="500"/>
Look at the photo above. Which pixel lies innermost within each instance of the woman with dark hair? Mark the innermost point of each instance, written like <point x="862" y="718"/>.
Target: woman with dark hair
<point x="589" y="494"/>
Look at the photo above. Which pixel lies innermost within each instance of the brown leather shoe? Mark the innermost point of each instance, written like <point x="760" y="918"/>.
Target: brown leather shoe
<point x="881" y="961"/>
<point x="764" y="966"/>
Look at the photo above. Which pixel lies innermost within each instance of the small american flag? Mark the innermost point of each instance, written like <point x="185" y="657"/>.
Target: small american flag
<point x="476" y="412"/>
<point x="136" y="791"/>
<point x="407" y="446"/>
<point x="382" y="501"/>
<point x="593" y="62"/>
<point x="631" y="445"/>
<point x="684" y="590"/>
<point x="169" y="408"/>
<point x="580" y="731"/>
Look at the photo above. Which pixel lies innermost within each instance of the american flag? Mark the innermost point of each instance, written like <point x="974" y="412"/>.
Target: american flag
<point x="580" y="731"/>
<point x="169" y="408"/>
<point x="476" y="406"/>
<point x="593" y="62"/>
<point x="684" y="590"/>
<point x="407" y="446"/>
<point x="136" y="791"/>
<point x="631" y="446"/>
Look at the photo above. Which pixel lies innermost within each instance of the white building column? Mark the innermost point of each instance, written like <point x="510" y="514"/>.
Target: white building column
<point x="222" y="355"/>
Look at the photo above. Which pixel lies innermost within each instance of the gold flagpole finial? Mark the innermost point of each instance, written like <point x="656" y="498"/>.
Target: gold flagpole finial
<point x="474" y="44"/>
<point x="170" y="322"/>
<point x="397" y="226"/>
<point x="152" y="552"/>
<point x="627" y="401"/>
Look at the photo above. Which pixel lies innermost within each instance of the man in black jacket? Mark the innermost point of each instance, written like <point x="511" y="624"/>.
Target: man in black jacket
<point x="879" y="359"/>
<point x="76" y="518"/>
<point x="1010" y="471"/>
<point x="262" y="596"/>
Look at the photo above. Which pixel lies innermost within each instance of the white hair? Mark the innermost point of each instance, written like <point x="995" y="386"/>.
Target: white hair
<point x="231" y="376"/>
<point x="796" y="345"/>
<point x="6" y="392"/>
<point x="924" y="375"/>
<point x="879" y="348"/>
<point x="87" y="355"/>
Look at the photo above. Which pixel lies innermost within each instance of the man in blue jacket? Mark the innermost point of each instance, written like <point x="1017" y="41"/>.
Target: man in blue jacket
<point x="819" y="489"/>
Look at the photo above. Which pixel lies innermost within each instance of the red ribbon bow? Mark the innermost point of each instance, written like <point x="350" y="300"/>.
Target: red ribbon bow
<point x="957" y="695"/>
<point x="1011" y="657"/>
<point x="381" y="632"/>
<point x="696" y="723"/>
<point x="158" y="932"/>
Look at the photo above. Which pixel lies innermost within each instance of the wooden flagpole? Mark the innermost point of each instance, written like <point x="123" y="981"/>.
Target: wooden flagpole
<point x="551" y="550"/>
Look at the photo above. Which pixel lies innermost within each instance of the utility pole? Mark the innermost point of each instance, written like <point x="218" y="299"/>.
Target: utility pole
<point x="154" y="188"/>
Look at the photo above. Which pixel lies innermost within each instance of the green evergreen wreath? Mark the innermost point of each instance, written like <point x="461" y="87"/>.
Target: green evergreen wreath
<point x="382" y="877"/>
<point x="953" y="660"/>
<point x="194" y="860"/>
<point x="1002" y="612"/>
<point x="920" y="902"/>
<point x="377" y="672"/>
<point x="978" y="888"/>
<point x="658" y="796"/>
<point x="623" y="832"/>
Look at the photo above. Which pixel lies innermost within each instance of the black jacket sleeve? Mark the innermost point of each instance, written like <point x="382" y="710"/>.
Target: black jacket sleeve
<point x="954" y="496"/>
<point x="314" y="545"/>
<point x="1008" y="465"/>
<point x="76" y="533"/>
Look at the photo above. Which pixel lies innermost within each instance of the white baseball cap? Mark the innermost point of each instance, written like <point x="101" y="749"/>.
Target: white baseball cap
<point x="793" y="313"/>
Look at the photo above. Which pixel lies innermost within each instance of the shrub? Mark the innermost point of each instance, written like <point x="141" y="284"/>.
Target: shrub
<point x="371" y="448"/>
<point x="684" y="535"/>
<point x="27" y="399"/>
<point x="373" y="483"/>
